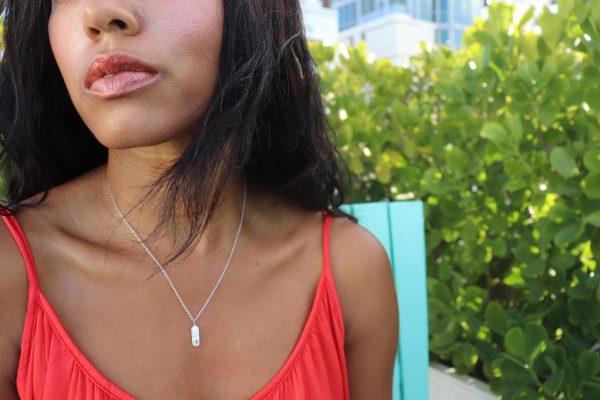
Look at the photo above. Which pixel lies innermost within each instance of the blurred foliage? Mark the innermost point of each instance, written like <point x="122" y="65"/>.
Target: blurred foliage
<point x="500" y="140"/>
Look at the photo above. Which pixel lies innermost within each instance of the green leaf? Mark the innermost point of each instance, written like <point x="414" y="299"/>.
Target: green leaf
<point x="451" y="90"/>
<point x="593" y="219"/>
<point x="515" y="126"/>
<point x="595" y="245"/>
<point x="345" y="132"/>
<point x="534" y="269"/>
<point x="526" y="17"/>
<point x="591" y="74"/>
<point x="499" y="248"/>
<point x="542" y="48"/>
<point x="510" y="371"/>
<point x="581" y="11"/>
<point x="536" y="341"/>
<point x="569" y="234"/>
<point x="590" y="389"/>
<point x="551" y="27"/>
<point x="457" y="159"/>
<point x="563" y="162"/>
<point x="497" y="134"/>
<point x="592" y="97"/>
<point x="591" y="160"/>
<point x="514" y="341"/>
<point x="554" y="381"/>
<point x="529" y="71"/>
<point x="445" y="272"/>
<point x="497" y="318"/>
<point x="560" y="213"/>
<point x="595" y="11"/>
<point x="485" y="38"/>
<point x="527" y="394"/>
<point x="464" y="358"/>
<point x="591" y="186"/>
<point x="565" y="8"/>
<point x="514" y="278"/>
<point x="438" y="307"/>
<point x="497" y="70"/>
<point x="383" y="171"/>
<point x="551" y="363"/>
<point x="446" y="338"/>
<point x="548" y="73"/>
<point x="440" y="291"/>
<point x="356" y="165"/>
<point x="588" y="364"/>
<point x="548" y="113"/>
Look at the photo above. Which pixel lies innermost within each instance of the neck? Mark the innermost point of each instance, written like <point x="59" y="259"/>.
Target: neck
<point x="131" y="174"/>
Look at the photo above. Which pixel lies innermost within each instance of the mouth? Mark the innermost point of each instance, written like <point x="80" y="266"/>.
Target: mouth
<point x="115" y="75"/>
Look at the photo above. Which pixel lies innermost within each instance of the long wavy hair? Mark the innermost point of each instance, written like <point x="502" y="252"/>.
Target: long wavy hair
<point x="266" y="121"/>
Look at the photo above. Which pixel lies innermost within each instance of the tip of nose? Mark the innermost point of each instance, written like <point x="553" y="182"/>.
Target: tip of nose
<point x="102" y="18"/>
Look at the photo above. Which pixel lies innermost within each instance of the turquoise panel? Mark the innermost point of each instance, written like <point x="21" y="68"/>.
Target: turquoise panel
<point x="399" y="226"/>
<point x="408" y="247"/>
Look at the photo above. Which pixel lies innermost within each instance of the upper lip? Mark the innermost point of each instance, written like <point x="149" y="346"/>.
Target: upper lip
<point x="110" y="64"/>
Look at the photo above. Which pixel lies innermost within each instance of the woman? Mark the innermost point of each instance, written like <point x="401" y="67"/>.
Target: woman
<point x="172" y="228"/>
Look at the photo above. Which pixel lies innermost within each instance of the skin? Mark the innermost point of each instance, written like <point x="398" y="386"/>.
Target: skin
<point x="116" y="307"/>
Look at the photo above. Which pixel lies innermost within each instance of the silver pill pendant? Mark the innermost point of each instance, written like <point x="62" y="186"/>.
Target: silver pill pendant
<point x="195" y="336"/>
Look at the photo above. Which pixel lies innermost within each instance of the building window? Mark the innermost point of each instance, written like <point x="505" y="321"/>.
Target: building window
<point x="443" y="36"/>
<point x="465" y="11"/>
<point x="423" y="9"/>
<point x="368" y="7"/>
<point x="347" y="15"/>
<point x="457" y="39"/>
<point x="450" y="37"/>
<point x="399" y="6"/>
<point x="442" y="12"/>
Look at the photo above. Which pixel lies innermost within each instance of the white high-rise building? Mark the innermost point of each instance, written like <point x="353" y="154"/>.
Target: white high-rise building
<point x="394" y="28"/>
<point x="392" y="34"/>
<point x="320" y="22"/>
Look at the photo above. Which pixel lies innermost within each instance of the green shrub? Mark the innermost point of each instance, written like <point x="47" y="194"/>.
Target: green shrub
<point x="500" y="140"/>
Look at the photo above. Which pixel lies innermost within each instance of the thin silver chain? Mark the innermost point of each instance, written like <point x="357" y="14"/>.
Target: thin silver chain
<point x="162" y="269"/>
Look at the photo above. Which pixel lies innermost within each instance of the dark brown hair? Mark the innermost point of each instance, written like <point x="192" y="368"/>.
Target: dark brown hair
<point x="266" y="122"/>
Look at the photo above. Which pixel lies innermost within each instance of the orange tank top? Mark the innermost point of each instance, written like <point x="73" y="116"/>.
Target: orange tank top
<point x="51" y="367"/>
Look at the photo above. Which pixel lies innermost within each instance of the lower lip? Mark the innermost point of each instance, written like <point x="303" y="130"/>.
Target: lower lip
<point x="121" y="84"/>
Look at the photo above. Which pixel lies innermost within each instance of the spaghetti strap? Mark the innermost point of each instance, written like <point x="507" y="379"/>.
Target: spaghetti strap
<point x="33" y="294"/>
<point x="326" y="258"/>
<point x="17" y="232"/>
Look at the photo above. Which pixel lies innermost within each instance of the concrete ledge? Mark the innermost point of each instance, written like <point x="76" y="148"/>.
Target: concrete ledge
<point x="444" y="384"/>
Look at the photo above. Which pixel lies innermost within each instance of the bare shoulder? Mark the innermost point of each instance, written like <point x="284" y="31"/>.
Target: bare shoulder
<point x="362" y="270"/>
<point x="365" y="287"/>
<point x="13" y="297"/>
<point x="39" y="223"/>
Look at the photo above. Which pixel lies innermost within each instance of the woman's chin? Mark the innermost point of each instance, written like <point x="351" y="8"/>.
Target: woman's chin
<point x="132" y="126"/>
<point x="128" y="140"/>
<point x="143" y="140"/>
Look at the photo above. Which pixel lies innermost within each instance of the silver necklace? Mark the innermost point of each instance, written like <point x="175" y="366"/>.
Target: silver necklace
<point x="195" y="329"/>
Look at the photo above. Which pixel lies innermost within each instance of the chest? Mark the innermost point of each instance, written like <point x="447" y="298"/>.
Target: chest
<point x="138" y="336"/>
